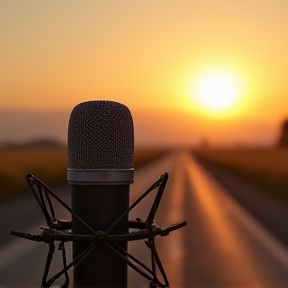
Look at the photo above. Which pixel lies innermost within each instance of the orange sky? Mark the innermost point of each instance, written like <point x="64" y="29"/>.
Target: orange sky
<point x="148" y="55"/>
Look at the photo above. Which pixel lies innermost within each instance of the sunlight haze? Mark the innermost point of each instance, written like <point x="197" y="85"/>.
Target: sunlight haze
<point x="149" y="55"/>
<point x="217" y="92"/>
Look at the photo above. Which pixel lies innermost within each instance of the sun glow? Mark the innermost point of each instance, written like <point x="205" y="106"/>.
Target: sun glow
<point x="216" y="92"/>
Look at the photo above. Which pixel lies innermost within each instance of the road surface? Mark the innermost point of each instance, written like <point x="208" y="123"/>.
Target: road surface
<point x="222" y="245"/>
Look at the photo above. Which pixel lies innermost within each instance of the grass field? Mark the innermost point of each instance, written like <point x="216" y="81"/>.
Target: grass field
<point x="265" y="168"/>
<point x="50" y="165"/>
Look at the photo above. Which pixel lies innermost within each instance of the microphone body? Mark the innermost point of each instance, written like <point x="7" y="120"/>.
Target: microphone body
<point x="100" y="171"/>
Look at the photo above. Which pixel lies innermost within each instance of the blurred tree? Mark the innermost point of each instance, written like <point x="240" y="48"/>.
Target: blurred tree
<point x="283" y="141"/>
<point x="204" y="143"/>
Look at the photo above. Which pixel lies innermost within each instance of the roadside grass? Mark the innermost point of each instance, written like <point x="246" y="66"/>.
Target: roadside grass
<point x="264" y="168"/>
<point x="49" y="164"/>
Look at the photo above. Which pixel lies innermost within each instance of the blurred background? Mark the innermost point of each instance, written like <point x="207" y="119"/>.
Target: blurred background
<point x="201" y="74"/>
<point x="210" y="70"/>
<point x="207" y="76"/>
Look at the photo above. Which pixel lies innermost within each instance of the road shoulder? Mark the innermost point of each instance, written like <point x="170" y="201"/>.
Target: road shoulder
<point x="270" y="212"/>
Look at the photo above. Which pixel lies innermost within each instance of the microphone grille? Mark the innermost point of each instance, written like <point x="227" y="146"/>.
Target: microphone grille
<point x="100" y="136"/>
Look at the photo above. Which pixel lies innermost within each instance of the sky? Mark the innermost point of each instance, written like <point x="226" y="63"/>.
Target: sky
<point x="190" y="71"/>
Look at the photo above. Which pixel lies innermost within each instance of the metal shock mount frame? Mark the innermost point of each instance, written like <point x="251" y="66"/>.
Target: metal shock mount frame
<point x="60" y="230"/>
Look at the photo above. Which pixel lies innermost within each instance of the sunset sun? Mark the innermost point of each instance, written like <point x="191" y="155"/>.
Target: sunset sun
<point x="216" y="91"/>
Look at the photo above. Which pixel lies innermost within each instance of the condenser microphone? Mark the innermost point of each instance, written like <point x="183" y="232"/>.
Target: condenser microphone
<point x="100" y="171"/>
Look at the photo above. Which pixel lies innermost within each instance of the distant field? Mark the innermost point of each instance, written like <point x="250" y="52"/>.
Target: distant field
<point x="50" y="165"/>
<point x="266" y="168"/>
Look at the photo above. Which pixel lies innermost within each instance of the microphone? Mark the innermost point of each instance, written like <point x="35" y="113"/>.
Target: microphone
<point x="100" y="171"/>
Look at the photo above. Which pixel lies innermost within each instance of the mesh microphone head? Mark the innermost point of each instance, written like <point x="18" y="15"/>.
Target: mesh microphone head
<point x="100" y="136"/>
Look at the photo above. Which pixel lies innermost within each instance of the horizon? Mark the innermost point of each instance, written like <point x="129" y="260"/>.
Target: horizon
<point x="54" y="125"/>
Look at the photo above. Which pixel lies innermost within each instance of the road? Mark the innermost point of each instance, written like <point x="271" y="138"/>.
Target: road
<point x="222" y="245"/>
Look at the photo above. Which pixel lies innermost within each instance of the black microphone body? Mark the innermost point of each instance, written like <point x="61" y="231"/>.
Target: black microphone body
<point x="102" y="267"/>
<point x="100" y="171"/>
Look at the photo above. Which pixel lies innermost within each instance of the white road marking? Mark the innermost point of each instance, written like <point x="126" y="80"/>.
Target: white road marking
<point x="267" y="239"/>
<point x="17" y="248"/>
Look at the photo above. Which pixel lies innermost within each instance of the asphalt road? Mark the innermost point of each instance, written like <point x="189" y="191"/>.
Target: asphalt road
<point x="222" y="245"/>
